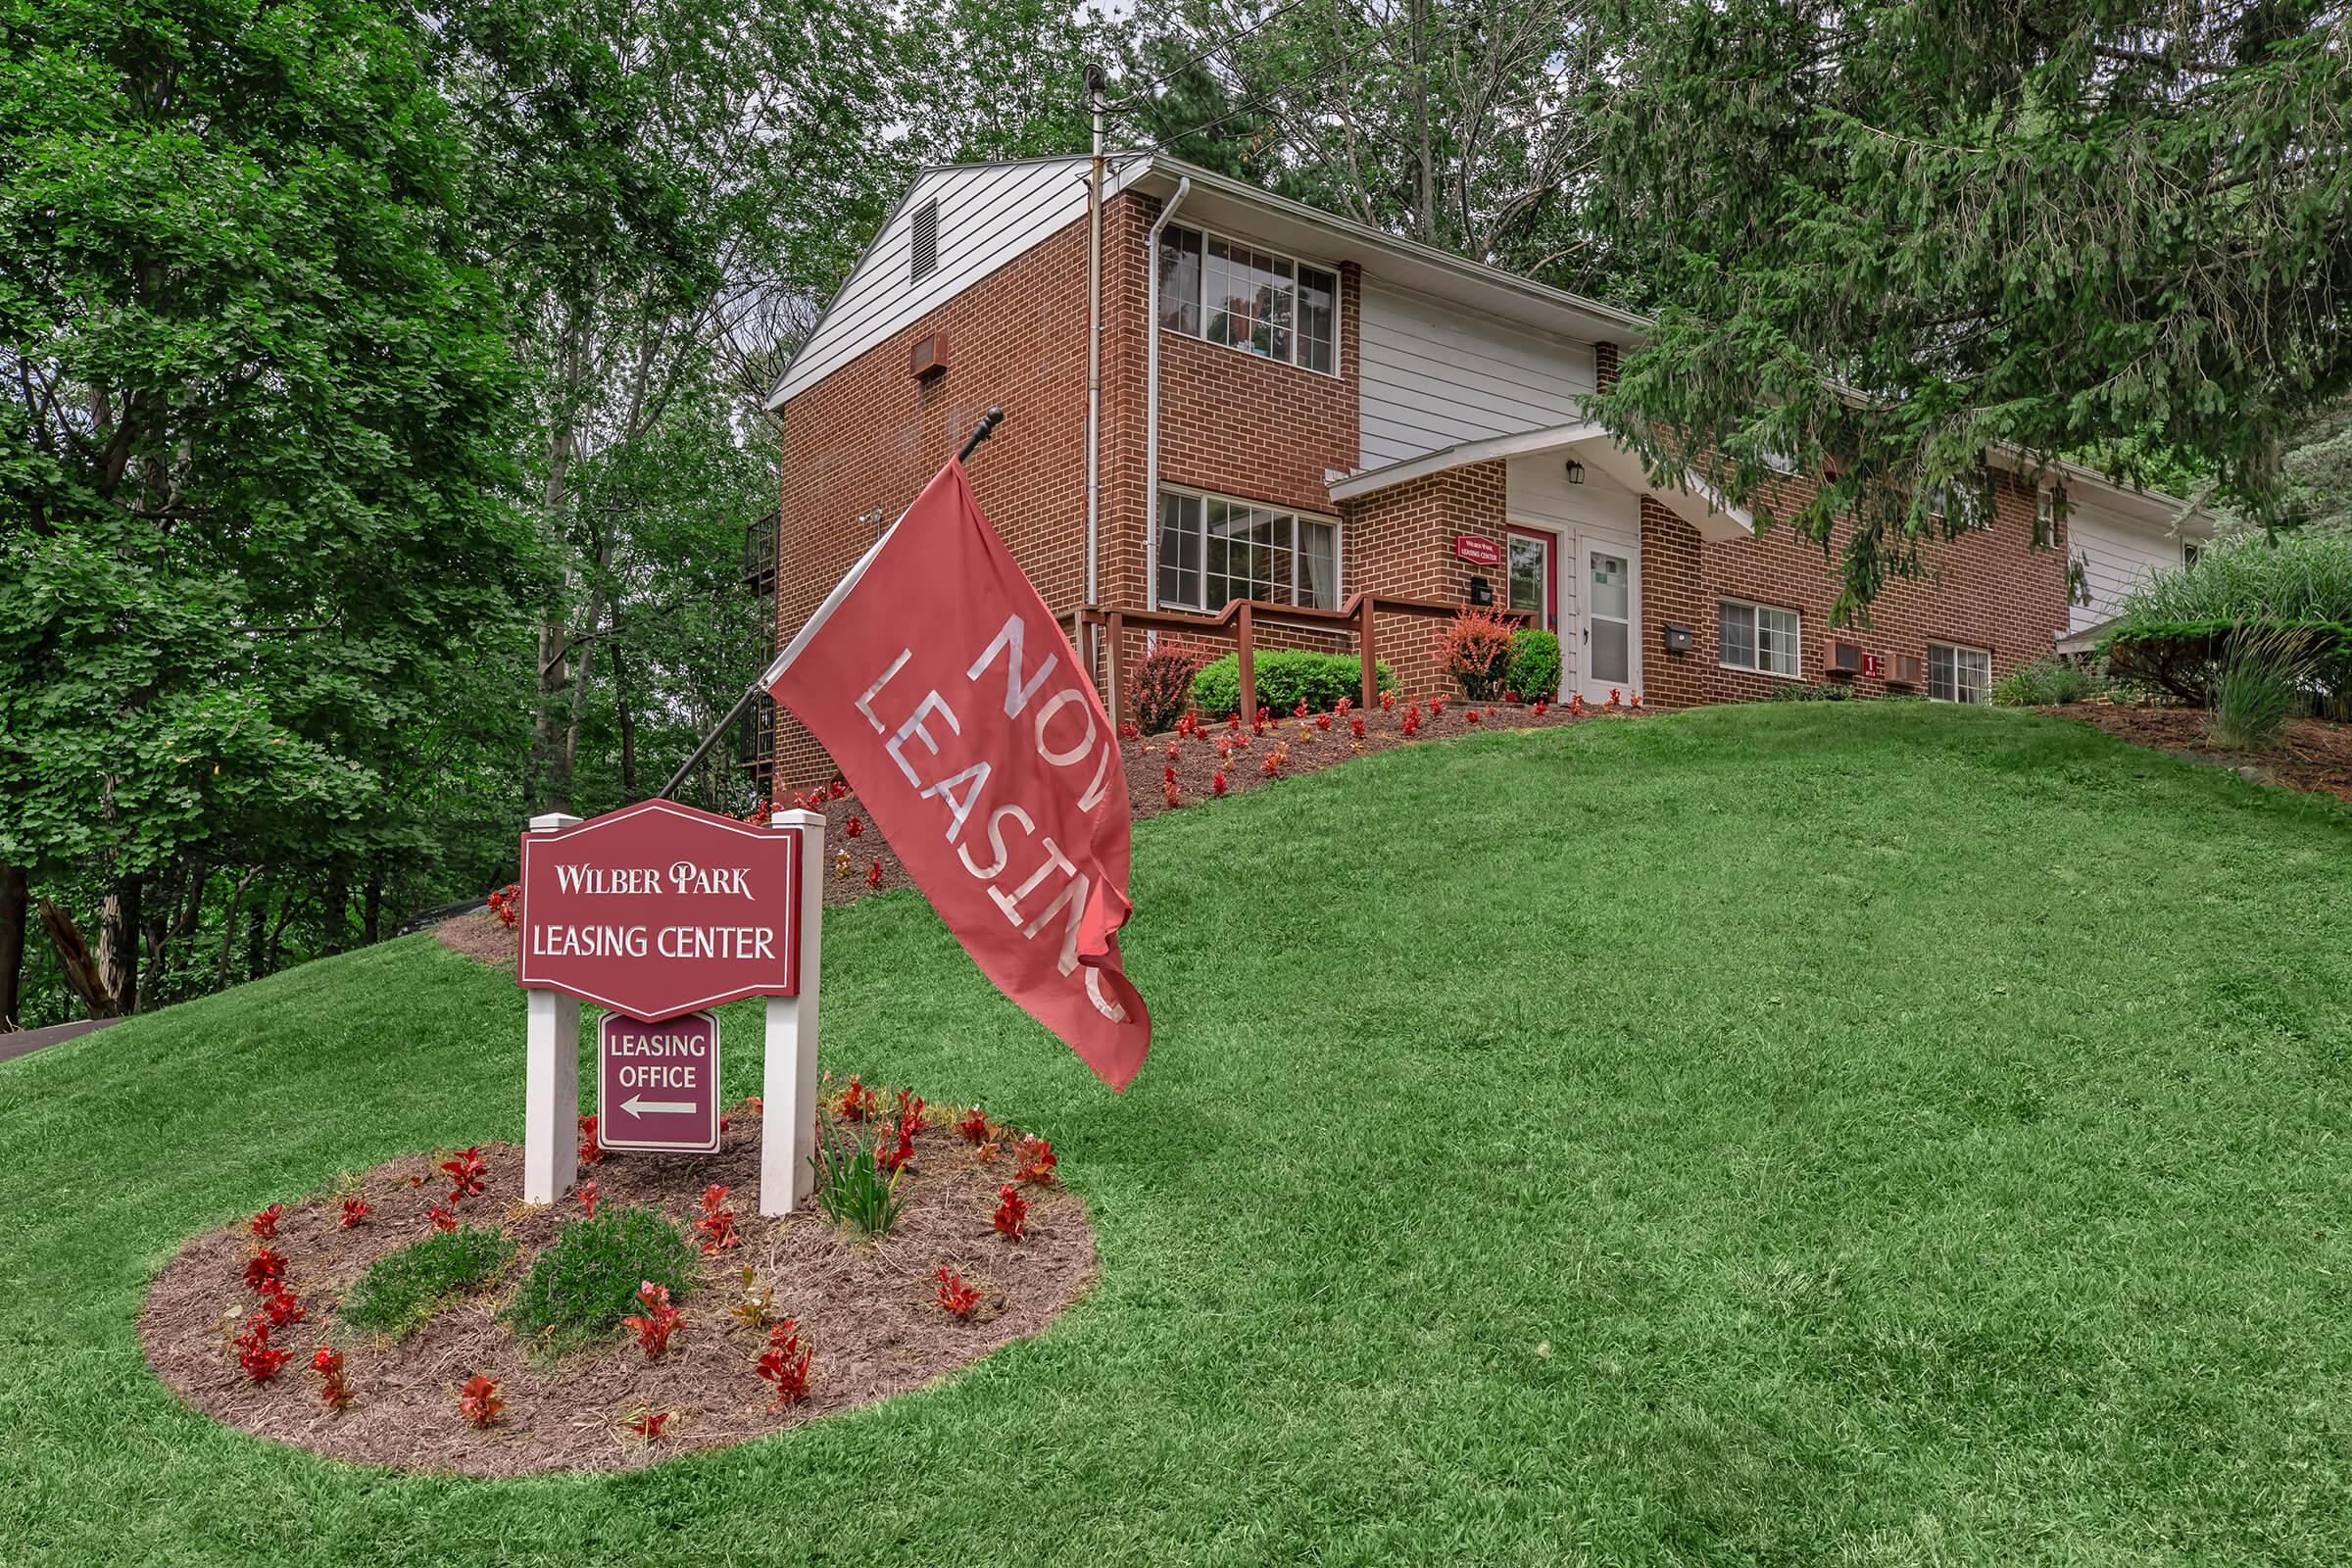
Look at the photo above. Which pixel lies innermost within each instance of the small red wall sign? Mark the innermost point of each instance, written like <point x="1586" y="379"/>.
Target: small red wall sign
<point x="1477" y="549"/>
<point x="657" y="1084"/>
<point x="658" y="909"/>
<point x="1871" y="664"/>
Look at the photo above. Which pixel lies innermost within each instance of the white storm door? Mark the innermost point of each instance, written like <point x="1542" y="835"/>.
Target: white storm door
<point x="1608" y="645"/>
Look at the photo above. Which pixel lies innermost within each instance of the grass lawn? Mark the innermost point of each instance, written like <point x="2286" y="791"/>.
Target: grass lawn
<point x="1844" y="1134"/>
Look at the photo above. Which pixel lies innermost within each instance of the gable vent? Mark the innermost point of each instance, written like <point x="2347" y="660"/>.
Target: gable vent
<point x="925" y="241"/>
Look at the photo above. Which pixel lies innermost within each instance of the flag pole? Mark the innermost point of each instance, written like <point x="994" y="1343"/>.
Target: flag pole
<point x="743" y="705"/>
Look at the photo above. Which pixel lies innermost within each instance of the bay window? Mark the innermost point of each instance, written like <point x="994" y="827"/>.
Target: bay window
<point x="1213" y="551"/>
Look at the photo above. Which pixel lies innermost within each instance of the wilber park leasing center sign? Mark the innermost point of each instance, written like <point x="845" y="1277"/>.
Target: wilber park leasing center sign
<point x="659" y="909"/>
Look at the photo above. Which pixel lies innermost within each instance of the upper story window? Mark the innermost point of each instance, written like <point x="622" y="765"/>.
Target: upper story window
<point x="923" y="241"/>
<point x="1213" y="551"/>
<point x="1948" y="498"/>
<point x="1244" y="298"/>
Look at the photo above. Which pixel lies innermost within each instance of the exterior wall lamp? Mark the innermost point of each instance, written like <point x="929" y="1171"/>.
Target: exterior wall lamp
<point x="1575" y="471"/>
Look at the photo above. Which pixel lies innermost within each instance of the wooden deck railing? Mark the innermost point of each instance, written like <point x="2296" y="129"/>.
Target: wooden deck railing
<point x="1243" y="616"/>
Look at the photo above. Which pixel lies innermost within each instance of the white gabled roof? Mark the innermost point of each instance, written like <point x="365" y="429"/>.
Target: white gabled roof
<point x="990" y="214"/>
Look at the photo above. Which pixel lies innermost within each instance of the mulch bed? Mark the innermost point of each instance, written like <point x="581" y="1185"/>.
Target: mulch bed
<point x="869" y="1308"/>
<point x="2312" y="754"/>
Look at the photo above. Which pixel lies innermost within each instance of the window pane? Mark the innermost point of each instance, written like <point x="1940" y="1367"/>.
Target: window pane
<point x="1941" y="684"/>
<point x="1318" y="300"/>
<point x="1235" y="556"/>
<point x="1180" y="549"/>
<point x="1180" y="280"/>
<point x="1974" y="670"/>
<point x="1611" y="592"/>
<point x="1775" y="642"/>
<point x="1611" y="660"/>
<point x="1276" y="298"/>
<point x="1229" y="306"/>
<point x="1735" y="636"/>
<point x="1531" y="569"/>
<point x="1318" y="565"/>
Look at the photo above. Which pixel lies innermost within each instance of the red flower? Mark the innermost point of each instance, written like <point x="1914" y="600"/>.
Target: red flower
<point x="478" y="1402"/>
<point x="356" y="1209"/>
<point x="1037" y="1160"/>
<point x="1169" y="773"/>
<point x="1322" y="721"/>
<point x="281" y="1310"/>
<point x="1471" y="714"/>
<point x="1387" y="699"/>
<point x="465" y="1173"/>
<point x="261" y="1359"/>
<point x="1343" y="707"/>
<point x="854" y="828"/>
<point x="1356" y="727"/>
<point x="587" y="1198"/>
<point x="840" y="787"/>
<point x="1013" y="1212"/>
<point x="1636" y="702"/>
<point x="974" y="1126"/>
<point x="265" y="1271"/>
<point x="648" y="1424"/>
<point x="660" y="1319"/>
<point x="1541" y="705"/>
<point x="785" y="1363"/>
<point x="265" y="1224"/>
<point x="1127" y="730"/>
<point x="591" y="1153"/>
<point x="911" y="1111"/>
<point x="1216" y="783"/>
<point x="856" y="1102"/>
<point x="717" y="1223"/>
<point x="442" y="1217"/>
<point x="1170" y="791"/>
<point x="873" y="875"/>
<point x="334" y="1391"/>
<point x="956" y="1298"/>
<point x="895" y="1149"/>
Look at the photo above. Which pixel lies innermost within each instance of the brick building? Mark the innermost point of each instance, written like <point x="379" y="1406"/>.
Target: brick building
<point x="1324" y="410"/>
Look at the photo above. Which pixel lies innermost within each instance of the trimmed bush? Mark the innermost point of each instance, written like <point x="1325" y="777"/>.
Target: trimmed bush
<point x="2175" y="632"/>
<point x="1286" y="677"/>
<point x="586" y="1280"/>
<point x="1163" y="685"/>
<point x="402" y="1291"/>
<point x="2043" y="683"/>
<point x="1535" y="667"/>
<point x="1475" y="649"/>
<point x="1789" y="690"/>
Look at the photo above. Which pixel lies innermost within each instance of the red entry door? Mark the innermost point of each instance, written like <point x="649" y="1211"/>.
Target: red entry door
<point x="1534" y="576"/>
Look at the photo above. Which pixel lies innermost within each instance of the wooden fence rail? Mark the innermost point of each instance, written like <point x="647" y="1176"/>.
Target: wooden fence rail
<point x="1243" y="616"/>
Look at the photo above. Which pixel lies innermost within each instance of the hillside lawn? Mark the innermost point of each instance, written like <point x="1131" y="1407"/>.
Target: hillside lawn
<point x="1857" y="1133"/>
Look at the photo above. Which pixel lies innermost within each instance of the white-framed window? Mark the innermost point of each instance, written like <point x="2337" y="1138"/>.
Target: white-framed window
<point x="1958" y="674"/>
<point x="1214" y="550"/>
<point x="1758" y="637"/>
<point x="1974" y="515"/>
<point x="1261" y="303"/>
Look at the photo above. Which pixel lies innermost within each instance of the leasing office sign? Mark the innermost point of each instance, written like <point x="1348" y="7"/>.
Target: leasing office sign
<point x="659" y="909"/>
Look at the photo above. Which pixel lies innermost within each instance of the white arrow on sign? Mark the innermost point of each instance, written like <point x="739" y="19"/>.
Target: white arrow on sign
<point x="638" y="1108"/>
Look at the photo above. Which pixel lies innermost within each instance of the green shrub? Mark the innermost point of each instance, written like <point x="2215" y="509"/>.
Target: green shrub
<point x="1535" y="668"/>
<point x="2174" y="632"/>
<point x="2258" y="687"/>
<point x="2043" y="683"/>
<point x="1792" y="691"/>
<point x="586" y="1280"/>
<point x="852" y="1187"/>
<point x="1286" y="677"/>
<point x="402" y="1291"/>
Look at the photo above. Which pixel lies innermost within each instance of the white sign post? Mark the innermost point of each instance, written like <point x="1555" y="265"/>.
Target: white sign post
<point x="787" y="1082"/>
<point x="551" y="1114"/>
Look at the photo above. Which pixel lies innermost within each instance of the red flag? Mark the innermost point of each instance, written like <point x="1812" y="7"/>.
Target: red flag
<point x="956" y="708"/>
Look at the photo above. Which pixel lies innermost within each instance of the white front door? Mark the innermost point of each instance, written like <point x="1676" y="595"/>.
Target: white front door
<point x="1609" y="644"/>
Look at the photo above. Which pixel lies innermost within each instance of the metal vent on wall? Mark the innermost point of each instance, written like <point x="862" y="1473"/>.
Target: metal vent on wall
<point x="925" y="240"/>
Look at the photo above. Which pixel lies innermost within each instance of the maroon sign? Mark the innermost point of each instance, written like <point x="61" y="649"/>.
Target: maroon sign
<point x="657" y="1084"/>
<point x="1477" y="549"/>
<point x="658" y="908"/>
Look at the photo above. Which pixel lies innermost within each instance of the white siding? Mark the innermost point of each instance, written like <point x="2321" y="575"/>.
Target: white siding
<point x="1433" y="375"/>
<point x="1536" y="493"/>
<point x="2116" y="552"/>
<point x="988" y="215"/>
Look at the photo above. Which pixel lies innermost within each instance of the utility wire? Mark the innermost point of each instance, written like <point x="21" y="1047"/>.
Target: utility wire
<point x="1227" y="42"/>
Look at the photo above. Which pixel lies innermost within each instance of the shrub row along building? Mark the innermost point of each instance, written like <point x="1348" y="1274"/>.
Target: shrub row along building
<point x="1296" y="408"/>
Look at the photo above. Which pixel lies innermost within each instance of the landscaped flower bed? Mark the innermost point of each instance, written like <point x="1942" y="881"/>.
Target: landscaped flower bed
<point x="449" y="1327"/>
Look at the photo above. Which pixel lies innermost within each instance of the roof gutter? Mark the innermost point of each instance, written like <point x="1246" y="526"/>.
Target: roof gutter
<point x="1167" y="210"/>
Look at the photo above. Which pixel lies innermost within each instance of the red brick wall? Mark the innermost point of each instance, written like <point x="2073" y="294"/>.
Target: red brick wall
<point x="1401" y="541"/>
<point x="1988" y="590"/>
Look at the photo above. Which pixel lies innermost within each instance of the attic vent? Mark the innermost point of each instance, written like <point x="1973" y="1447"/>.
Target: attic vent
<point x="925" y="240"/>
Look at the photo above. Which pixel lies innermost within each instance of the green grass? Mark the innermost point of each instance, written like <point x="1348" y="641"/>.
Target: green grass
<point x="585" y="1281"/>
<point x="1818" y="1133"/>
<point x="402" y="1291"/>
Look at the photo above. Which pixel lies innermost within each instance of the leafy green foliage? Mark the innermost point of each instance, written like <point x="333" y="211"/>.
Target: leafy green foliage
<point x="2174" y="629"/>
<point x="402" y="1290"/>
<point x="1286" y="677"/>
<point x="2043" y="683"/>
<point x="2257" y="689"/>
<point x="1889" y="239"/>
<point x="852" y="1185"/>
<point x="586" y="1281"/>
<point x="1535" y="667"/>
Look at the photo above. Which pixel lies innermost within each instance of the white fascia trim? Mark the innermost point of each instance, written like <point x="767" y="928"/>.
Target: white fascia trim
<point x="2168" y="514"/>
<point x="1483" y="450"/>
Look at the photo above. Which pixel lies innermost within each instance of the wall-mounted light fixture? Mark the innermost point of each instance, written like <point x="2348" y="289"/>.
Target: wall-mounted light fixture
<point x="1575" y="471"/>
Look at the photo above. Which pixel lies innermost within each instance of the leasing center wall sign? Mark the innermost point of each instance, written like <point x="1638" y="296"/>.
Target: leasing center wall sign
<point x="658" y="909"/>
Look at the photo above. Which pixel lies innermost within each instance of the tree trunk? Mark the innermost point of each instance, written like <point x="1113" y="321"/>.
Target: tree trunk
<point x="119" y="944"/>
<point x="14" y="903"/>
<point x="336" y="918"/>
<point x="83" y="972"/>
<point x="277" y="932"/>
<point x="628" y="728"/>
<point x="228" y="927"/>
<point x="253" y="936"/>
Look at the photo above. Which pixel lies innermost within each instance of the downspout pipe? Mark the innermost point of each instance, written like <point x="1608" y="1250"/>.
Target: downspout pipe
<point x="1094" y="359"/>
<point x="1184" y="188"/>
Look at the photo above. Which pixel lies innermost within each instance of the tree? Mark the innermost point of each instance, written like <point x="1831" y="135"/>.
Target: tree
<point x="253" y="446"/>
<point x="1889" y="238"/>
